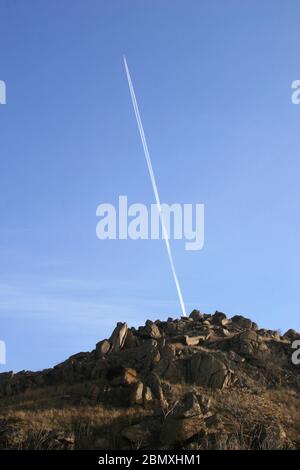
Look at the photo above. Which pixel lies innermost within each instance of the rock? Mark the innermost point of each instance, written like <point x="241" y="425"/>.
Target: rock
<point x="136" y="395"/>
<point x="171" y="329"/>
<point x="209" y="370"/>
<point x="147" y="395"/>
<point x="166" y="363"/>
<point x="242" y="322"/>
<point x="224" y="333"/>
<point x="204" y="402"/>
<point x="233" y="356"/>
<point x="248" y="343"/>
<point x="131" y="341"/>
<point x="153" y="355"/>
<point x="155" y="386"/>
<point x="142" y="358"/>
<point x="150" y="355"/>
<point x="188" y="340"/>
<point x="262" y="332"/>
<point x="122" y="376"/>
<point x="102" y="348"/>
<point x="196" y="315"/>
<point x="206" y="316"/>
<point x="118" y="337"/>
<point x="184" y="423"/>
<point x="129" y="376"/>
<point x="219" y="318"/>
<point x="150" y="330"/>
<point x="276" y="335"/>
<point x="193" y="340"/>
<point x="292" y="335"/>
<point x="213" y="421"/>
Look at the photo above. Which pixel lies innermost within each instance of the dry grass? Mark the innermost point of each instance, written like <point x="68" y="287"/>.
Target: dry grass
<point x="62" y="417"/>
<point x="288" y="408"/>
<point x="35" y="418"/>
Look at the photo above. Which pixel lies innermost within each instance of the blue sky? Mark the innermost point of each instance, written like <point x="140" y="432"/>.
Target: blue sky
<point x="213" y="80"/>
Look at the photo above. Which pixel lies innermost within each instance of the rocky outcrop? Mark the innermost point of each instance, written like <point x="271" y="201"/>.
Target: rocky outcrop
<point x="173" y="373"/>
<point x="205" y="350"/>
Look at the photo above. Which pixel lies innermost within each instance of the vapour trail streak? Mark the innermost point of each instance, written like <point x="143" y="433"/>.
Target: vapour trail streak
<point x="153" y="181"/>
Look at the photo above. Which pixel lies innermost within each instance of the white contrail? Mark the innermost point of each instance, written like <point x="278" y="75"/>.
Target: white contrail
<point x="152" y="177"/>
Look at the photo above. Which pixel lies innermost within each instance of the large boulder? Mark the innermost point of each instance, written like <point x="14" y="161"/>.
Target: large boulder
<point x="136" y="395"/>
<point x="154" y="383"/>
<point x="196" y="315"/>
<point x="102" y="348"/>
<point x="208" y="370"/>
<point x="147" y="395"/>
<point x="122" y="376"/>
<point x="118" y="337"/>
<point x="142" y="358"/>
<point x="243" y="322"/>
<point x="185" y="422"/>
<point x="131" y="341"/>
<point x="150" y="330"/>
<point x="248" y="343"/>
<point x="166" y="364"/>
<point x="292" y="335"/>
<point x="219" y="318"/>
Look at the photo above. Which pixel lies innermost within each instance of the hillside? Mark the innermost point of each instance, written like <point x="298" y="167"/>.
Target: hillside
<point x="203" y="382"/>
